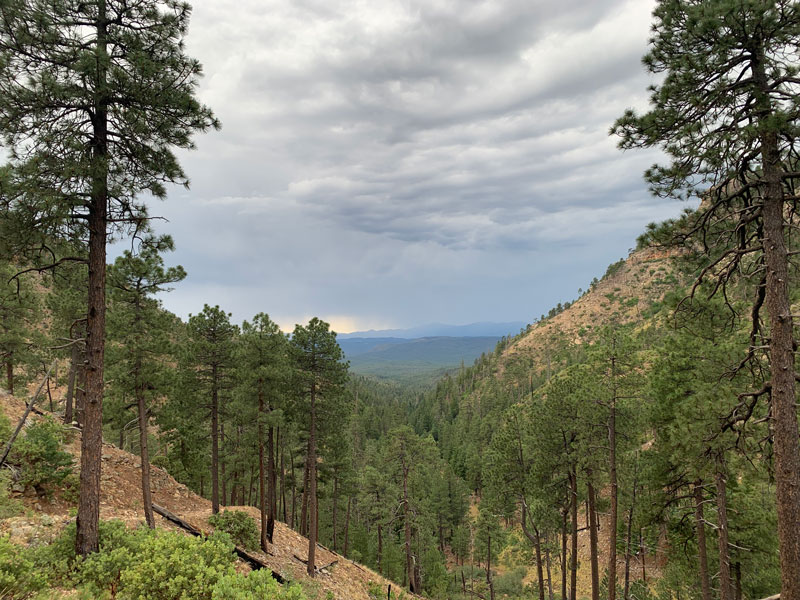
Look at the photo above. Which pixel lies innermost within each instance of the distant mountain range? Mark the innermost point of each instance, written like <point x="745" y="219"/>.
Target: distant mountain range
<point x="413" y="360"/>
<point x="484" y="329"/>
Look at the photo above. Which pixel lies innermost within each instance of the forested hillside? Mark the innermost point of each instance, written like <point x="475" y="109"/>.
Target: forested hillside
<point x="638" y="443"/>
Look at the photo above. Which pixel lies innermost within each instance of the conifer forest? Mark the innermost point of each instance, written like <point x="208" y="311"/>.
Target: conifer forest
<point x="639" y="441"/>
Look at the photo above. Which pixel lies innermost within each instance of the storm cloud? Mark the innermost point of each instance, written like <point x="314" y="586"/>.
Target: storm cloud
<point x="394" y="162"/>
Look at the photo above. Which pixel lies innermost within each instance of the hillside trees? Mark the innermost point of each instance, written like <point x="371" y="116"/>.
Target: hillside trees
<point x="321" y="373"/>
<point x="139" y="336"/>
<point x="262" y="364"/>
<point x="93" y="96"/>
<point x="209" y="355"/>
<point x="726" y="113"/>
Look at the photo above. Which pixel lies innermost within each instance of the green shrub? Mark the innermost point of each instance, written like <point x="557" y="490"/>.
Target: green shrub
<point x="239" y="525"/>
<point x="257" y="585"/>
<point x="119" y="547"/>
<point x="19" y="577"/>
<point x="8" y="506"/>
<point x="172" y="566"/>
<point x="43" y="464"/>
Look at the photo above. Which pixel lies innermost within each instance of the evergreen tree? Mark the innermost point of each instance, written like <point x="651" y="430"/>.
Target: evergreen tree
<point x="726" y="114"/>
<point x="321" y="374"/>
<point x="93" y="96"/>
<point x="139" y="337"/>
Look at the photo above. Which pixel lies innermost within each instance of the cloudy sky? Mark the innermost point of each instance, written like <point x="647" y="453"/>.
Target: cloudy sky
<point x="386" y="163"/>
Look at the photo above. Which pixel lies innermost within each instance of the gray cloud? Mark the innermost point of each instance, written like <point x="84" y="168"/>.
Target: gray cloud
<point x="402" y="161"/>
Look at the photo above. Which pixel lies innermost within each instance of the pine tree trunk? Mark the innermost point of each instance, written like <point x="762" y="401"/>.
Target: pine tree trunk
<point x="262" y="475"/>
<point x="777" y="303"/>
<point x="272" y="494"/>
<point x="214" y="442"/>
<point x="564" y="517"/>
<point x="283" y="474"/>
<point x="223" y="480"/>
<point x="335" y="501"/>
<point x="147" y="497"/>
<point x="347" y="526"/>
<point x="312" y="484"/>
<point x="613" y="493"/>
<point x="644" y="557"/>
<point x="73" y="367"/>
<point x="573" y="566"/>
<point x="10" y="373"/>
<point x="629" y="534"/>
<point x="702" y="554"/>
<point x="549" y="570"/>
<point x="533" y="537"/>
<point x="304" y="506"/>
<point x="380" y="549"/>
<point x="593" y="537"/>
<point x="725" y="592"/>
<point x="87" y="533"/>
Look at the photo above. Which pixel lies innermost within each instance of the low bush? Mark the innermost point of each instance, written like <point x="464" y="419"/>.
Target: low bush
<point x="256" y="585"/>
<point x="42" y="462"/>
<point x="19" y="576"/>
<point x="239" y="525"/>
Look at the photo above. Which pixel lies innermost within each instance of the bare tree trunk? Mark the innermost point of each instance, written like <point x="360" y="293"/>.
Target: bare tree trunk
<point x="266" y="537"/>
<point x="272" y="494"/>
<point x="335" y="502"/>
<point x="147" y="497"/>
<point x="777" y="303"/>
<point x="564" y="517"/>
<point x="87" y="538"/>
<point x="702" y="554"/>
<point x="613" y="493"/>
<point x="593" y="537"/>
<point x="312" y="481"/>
<point x="214" y="442"/>
<point x="573" y="565"/>
<point x="347" y="526"/>
<point x="549" y="571"/>
<point x="629" y="533"/>
<point x="725" y="592"/>
<point x="73" y="367"/>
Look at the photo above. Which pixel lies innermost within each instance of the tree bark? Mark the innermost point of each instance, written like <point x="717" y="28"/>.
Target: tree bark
<point x="702" y="554"/>
<point x="312" y="481"/>
<point x="613" y="493"/>
<point x="87" y="538"/>
<point x="347" y="526"/>
<point x="593" y="537"/>
<point x="333" y="516"/>
<point x="10" y="373"/>
<point x="564" y="517"/>
<point x="629" y="533"/>
<point x="214" y="442"/>
<point x="534" y="538"/>
<point x="407" y="528"/>
<point x="573" y="565"/>
<point x="266" y="538"/>
<point x="777" y="303"/>
<point x="147" y="497"/>
<point x="73" y="367"/>
<point x="725" y="591"/>
<point x="272" y="494"/>
<point x="549" y="571"/>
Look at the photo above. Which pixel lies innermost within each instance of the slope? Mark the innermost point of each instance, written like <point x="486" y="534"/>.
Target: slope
<point x="121" y="499"/>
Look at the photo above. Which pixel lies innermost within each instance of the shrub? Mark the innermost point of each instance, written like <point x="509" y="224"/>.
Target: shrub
<point x="8" y="506"/>
<point x="43" y="464"/>
<point x="239" y="525"/>
<point x="257" y="585"/>
<point x="19" y="577"/>
<point x="119" y="549"/>
<point x="172" y="566"/>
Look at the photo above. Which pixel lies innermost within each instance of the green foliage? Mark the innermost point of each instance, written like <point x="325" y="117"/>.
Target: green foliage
<point x="43" y="464"/>
<point x="19" y="576"/>
<point x="173" y="566"/>
<point x="9" y="507"/>
<point x="256" y="585"/>
<point x="239" y="525"/>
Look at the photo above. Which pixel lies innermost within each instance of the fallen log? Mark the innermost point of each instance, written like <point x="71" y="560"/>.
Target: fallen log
<point x="253" y="561"/>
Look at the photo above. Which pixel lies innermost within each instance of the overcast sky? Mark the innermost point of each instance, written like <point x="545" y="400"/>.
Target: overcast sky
<point x="385" y="163"/>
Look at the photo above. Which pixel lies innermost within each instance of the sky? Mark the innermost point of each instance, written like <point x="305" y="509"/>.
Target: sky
<point x="389" y="163"/>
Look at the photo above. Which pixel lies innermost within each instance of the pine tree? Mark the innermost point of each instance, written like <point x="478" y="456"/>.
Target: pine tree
<point x="139" y="337"/>
<point x="263" y="366"/>
<point x="726" y="114"/>
<point x="93" y="96"/>
<point x="321" y="375"/>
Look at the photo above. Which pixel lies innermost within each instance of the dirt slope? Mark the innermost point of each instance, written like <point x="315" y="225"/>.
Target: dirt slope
<point x="121" y="499"/>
